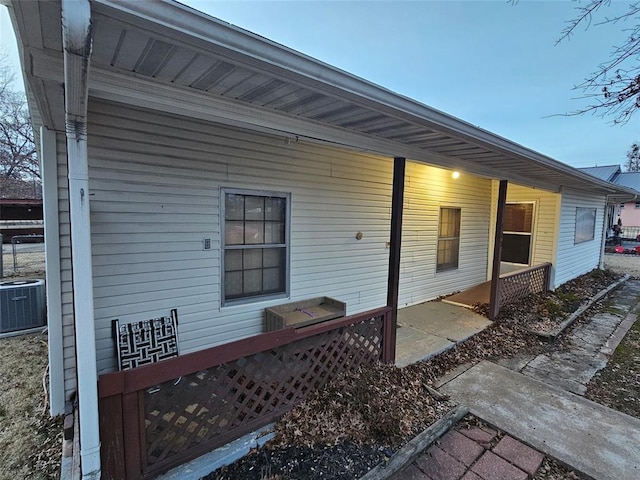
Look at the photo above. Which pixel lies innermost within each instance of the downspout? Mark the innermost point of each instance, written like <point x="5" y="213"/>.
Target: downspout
<point x="605" y="227"/>
<point x="76" y="38"/>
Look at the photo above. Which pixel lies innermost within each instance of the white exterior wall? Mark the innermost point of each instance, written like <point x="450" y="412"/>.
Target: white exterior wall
<point x="427" y="189"/>
<point x="574" y="260"/>
<point x="155" y="183"/>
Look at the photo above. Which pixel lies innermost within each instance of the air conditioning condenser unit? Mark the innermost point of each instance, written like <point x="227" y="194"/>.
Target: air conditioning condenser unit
<point x="22" y="307"/>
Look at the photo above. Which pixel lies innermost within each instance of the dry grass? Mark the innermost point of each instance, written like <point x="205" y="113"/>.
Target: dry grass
<point x="30" y="441"/>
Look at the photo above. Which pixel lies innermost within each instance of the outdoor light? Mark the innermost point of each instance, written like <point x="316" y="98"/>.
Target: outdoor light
<point x="455" y="175"/>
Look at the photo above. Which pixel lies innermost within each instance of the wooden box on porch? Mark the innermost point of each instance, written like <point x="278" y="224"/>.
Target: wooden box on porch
<point x="303" y="313"/>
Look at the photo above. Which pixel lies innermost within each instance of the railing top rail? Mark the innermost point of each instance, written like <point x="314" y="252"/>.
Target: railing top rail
<point x="526" y="270"/>
<point x="128" y="381"/>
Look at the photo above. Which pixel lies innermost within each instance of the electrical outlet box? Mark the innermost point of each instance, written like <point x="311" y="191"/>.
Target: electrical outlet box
<point x="206" y="244"/>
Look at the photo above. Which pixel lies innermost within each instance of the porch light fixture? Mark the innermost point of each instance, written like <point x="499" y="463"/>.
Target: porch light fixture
<point x="455" y="175"/>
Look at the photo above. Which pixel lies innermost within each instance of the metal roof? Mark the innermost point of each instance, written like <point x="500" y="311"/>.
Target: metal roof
<point x="629" y="179"/>
<point x="605" y="172"/>
<point x="163" y="54"/>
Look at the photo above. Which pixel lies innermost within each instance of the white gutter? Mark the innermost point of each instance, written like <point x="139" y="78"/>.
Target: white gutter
<point x="76" y="38"/>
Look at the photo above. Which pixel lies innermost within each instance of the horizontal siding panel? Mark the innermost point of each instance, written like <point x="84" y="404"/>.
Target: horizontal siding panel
<point x="156" y="180"/>
<point x="427" y="189"/>
<point x="576" y="259"/>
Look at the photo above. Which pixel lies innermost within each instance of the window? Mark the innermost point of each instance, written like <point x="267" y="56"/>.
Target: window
<point x="622" y="205"/>
<point x="517" y="232"/>
<point x="637" y="204"/>
<point x="448" y="239"/>
<point x="585" y="224"/>
<point x="256" y="245"/>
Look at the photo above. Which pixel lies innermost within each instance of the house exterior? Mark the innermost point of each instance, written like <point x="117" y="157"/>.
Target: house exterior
<point x="20" y="208"/>
<point x="190" y="164"/>
<point x="628" y="212"/>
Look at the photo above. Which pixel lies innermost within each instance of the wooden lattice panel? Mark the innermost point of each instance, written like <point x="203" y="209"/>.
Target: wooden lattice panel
<point x="193" y="414"/>
<point x="519" y="285"/>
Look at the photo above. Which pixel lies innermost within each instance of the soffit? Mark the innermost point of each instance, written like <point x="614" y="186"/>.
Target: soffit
<point x="149" y="44"/>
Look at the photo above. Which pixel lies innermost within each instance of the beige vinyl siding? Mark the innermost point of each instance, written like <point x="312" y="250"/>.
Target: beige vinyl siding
<point x="545" y="224"/>
<point x="427" y="189"/>
<point x="545" y="219"/>
<point x="155" y="182"/>
<point x="574" y="260"/>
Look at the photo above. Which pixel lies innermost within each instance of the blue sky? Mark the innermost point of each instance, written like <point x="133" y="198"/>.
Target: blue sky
<point x="490" y="63"/>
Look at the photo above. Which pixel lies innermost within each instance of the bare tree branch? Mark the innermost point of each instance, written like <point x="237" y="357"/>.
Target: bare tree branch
<point x="614" y="87"/>
<point x="18" y="157"/>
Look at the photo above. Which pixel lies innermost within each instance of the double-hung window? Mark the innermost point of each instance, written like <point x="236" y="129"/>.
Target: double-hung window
<point x="255" y="245"/>
<point x="517" y="233"/>
<point x="448" y="239"/>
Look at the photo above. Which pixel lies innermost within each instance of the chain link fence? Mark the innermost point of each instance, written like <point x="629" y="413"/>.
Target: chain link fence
<point x="22" y="256"/>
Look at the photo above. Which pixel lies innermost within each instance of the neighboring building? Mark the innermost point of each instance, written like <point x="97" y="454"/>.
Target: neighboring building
<point x="628" y="212"/>
<point x="190" y="164"/>
<point x="20" y="208"/>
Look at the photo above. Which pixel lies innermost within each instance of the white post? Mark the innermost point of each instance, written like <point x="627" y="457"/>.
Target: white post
<point x="49" y="172"/>
<point x="76" y="36"/>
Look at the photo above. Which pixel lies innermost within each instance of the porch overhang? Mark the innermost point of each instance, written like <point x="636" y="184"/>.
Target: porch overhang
<point x="166" y="56"/>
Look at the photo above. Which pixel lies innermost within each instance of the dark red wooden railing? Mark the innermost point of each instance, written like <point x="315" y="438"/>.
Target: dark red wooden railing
<point x="155" y="417"/>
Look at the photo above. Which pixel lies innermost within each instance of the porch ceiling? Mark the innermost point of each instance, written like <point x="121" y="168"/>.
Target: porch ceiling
<point x="167" y="46"/>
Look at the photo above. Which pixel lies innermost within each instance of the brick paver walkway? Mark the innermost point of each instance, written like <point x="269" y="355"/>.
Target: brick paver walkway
<point x="475" y="453"/>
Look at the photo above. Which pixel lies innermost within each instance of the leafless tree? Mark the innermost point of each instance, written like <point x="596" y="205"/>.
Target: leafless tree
<point x="633" y="158"/>
<point x="18" y="158"/>
<point x="613" y="89"/>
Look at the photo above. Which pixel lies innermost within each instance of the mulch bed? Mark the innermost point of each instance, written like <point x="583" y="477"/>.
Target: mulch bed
<point x="545" y="312"/>
<point x="345" y="429"/>
<point x="357" y="420"/>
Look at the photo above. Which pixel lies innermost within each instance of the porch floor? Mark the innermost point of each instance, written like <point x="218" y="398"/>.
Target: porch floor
<point x="478" y="294"/>
<point x="430" y="328"/>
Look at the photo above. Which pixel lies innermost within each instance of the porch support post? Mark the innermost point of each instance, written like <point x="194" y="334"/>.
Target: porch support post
<point x="397" y="200"/>
<point x="76" y="38"/>
<point x="494" y="299"/>
<point x="49" y="173"/>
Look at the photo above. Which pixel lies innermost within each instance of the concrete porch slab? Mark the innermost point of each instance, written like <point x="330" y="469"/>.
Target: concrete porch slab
<point x="430" y="328"/>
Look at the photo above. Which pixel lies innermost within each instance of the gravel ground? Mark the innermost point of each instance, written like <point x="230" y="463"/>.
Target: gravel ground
<point x="624" y="264"/>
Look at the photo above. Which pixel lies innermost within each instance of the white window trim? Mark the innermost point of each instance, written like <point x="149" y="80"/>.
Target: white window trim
<point x="438" y="238"/>
<point x="575" y="226"/>
<point x="534" y="219"/>
<point x="287" y="242"/>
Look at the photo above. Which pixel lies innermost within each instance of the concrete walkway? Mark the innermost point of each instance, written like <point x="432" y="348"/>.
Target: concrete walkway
<point x="589" y="345"/>
<point x="430" y="328"/>
<point x="593" y="439"/>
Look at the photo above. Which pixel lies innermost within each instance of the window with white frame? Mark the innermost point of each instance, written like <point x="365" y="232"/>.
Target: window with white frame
<point x="517" y="233"/>
<point x="585" y="224"/>
<point x="255" y="245"/>
<point x="448" y="239"/>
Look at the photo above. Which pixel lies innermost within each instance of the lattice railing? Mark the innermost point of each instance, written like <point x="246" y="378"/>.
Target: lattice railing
<point x="158" y="416"/>
<point x="518" y="285"/>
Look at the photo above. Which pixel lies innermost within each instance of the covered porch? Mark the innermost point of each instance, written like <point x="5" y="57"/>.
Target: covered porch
<point x="180" y="108"/>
